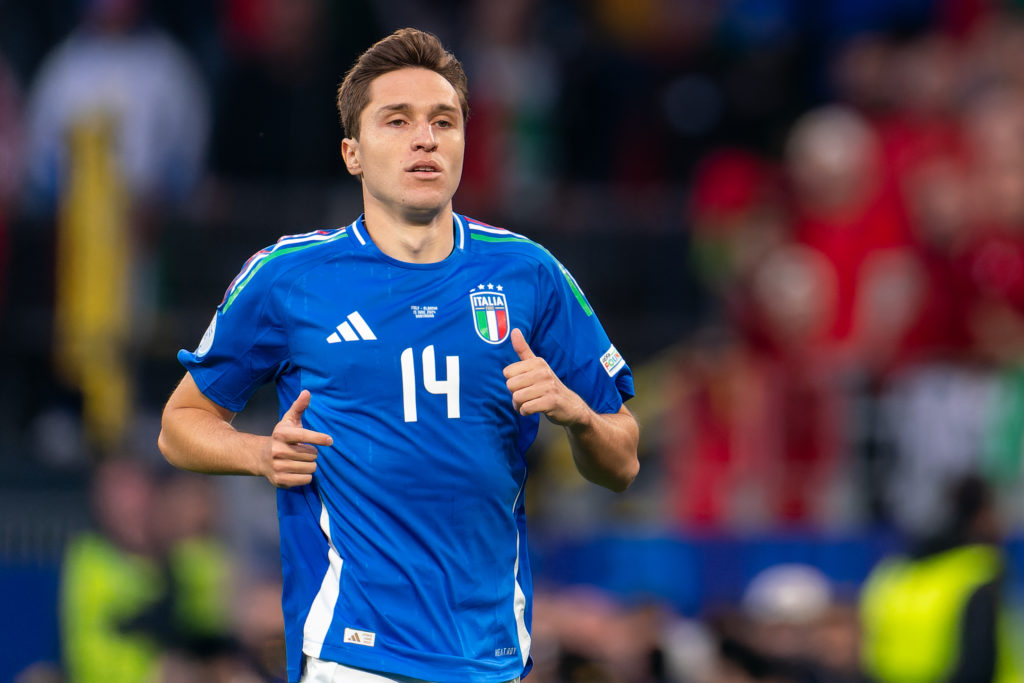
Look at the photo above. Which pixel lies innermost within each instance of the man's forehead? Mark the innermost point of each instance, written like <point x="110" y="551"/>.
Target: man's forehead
<point x="412" y="87"/>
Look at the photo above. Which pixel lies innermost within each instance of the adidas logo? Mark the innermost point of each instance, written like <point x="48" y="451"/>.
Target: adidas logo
<point x="353" y="329"/>
<point x="367" y="638"/>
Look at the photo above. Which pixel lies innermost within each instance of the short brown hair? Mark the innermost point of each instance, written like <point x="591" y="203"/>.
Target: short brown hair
<point x="406" y="47"/>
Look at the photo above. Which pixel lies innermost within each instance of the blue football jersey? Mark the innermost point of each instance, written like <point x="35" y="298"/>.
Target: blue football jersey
<point x="407" y="552"/>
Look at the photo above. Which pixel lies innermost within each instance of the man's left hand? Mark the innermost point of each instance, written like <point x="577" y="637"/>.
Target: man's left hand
<point x="536" y="388"/>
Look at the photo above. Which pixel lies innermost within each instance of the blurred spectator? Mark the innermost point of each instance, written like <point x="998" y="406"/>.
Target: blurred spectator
<point x="109" y="579"/>
<point x="585" y="636"/>
<point x="148" y="587"/>
<point x="759" y="430"/>
<point x="755" y="416"/>
<point x="994" y="259"/>
<point x="992" y="46"/>
<point x="195" y="612"/>
<point x="116" y="65"/>
<point x="737" y="216"/>
<point x="923" y="80"/>
<point x="939" y="201"/>
<point x="939" y="405"/>
<point x="212" y="623"/>
<point x="117" y="126"/>
<point x="753" y="444"/>
<point x="259" y="628"/>
<point x="790" y="629"/>
<point x="797" y="617"/>
<point x="859" y="75"/>
<point x="846" y="211"/>
<point x="939" y="612"/>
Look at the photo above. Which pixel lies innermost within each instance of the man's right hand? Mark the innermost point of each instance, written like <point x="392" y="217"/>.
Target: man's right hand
<point x="289" y="458"/>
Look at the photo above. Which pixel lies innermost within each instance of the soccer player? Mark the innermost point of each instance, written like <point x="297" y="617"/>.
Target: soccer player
<point x="413" y="351"/>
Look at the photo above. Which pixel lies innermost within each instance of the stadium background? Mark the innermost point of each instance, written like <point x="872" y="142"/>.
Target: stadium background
<point x="799" y="221"/>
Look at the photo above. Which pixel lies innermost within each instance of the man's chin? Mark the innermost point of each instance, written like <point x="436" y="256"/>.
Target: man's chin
<point x="423" y="212"/>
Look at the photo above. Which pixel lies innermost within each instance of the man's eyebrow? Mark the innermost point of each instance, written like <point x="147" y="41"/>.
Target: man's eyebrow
<point x="404" y="107"/>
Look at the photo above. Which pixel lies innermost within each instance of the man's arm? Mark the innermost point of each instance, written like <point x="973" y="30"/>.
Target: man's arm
<point x="604" y="445"/>
<point x="196" y="434"/>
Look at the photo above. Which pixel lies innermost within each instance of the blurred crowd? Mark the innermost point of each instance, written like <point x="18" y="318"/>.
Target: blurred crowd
<point x="152" y="592"/>
<point x="864" y="348"/>
<point x="805" y="222"/>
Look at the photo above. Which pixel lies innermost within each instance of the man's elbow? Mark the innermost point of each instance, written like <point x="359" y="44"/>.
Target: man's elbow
<point x="163" y="443"/>
<point x="614" y="476"/>
<point x="622" y="479"/>
<point x="166" y="443"/>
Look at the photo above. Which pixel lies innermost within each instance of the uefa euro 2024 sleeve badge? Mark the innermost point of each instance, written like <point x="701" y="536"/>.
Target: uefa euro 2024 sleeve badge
<point x="490" y="312"/>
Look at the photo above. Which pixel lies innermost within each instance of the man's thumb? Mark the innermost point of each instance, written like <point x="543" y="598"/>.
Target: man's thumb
<point x="298" y="407"/>
<point x="520" y="345"/>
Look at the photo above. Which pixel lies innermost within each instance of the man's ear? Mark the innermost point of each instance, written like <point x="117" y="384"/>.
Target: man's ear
<point x="350" y="155"/>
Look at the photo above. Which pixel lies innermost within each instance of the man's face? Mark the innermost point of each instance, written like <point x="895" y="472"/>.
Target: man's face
<point x="411" y="144"/>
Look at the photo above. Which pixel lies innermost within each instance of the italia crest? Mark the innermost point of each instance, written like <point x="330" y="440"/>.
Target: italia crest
<point x="490" y="313"/>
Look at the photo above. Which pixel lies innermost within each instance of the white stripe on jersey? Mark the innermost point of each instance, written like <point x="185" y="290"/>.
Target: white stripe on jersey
<point x="318" y="622"/>
<point x="462" y="231"/>
<point x="320" y="671"/>
<point x="314" y="236"/>
<point x="355" y="231"/>
<point x="520" y="600"/>
<point x="493" y="231"/>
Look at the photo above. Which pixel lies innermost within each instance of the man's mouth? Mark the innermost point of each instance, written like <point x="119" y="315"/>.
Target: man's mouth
<point x="424" y="168"/>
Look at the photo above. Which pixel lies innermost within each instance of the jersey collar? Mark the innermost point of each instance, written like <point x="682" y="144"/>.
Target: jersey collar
<point x="461" y="238"/>
<point x="358" y="230"/>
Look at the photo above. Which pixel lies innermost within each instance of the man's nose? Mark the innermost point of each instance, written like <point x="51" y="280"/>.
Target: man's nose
<point x="424" y="137"/>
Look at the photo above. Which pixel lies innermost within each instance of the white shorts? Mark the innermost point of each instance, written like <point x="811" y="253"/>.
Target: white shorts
<point x="322" y="671"/>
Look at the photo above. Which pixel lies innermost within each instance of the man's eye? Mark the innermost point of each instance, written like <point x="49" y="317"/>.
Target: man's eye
<point x="444" y="124"/>
<point x="396" y="122"/>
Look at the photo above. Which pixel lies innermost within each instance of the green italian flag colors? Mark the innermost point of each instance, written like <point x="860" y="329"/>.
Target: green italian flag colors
<point x="491" y="313"/>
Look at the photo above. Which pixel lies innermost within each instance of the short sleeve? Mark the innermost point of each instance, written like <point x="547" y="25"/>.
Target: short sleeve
<point x="245" y="344"/>
<point x="570" y="338"/>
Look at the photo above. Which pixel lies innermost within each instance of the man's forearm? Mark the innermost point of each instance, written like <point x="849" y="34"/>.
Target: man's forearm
<point x="197" y="435"/>
<point x="604" y="447"/>
<point x="195" y="439"/>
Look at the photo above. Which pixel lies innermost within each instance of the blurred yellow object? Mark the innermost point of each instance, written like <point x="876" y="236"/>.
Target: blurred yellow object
<point x="103" y="587"/>
<point x="112" y="624"/>
<point x="912" y="613"/>
<point x="202" y="570"/>
<point x="93" y="293"/>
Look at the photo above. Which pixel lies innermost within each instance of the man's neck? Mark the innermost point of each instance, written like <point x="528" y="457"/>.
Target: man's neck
<point x="422" y="240"/>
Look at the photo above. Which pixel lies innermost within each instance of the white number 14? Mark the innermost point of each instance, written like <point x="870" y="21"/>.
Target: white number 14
<point x="448" y="386"/>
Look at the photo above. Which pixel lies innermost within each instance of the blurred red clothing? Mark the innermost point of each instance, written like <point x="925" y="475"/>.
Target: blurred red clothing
<point x="754" y="441"/>
<point x="848" y="240"/>
<point x="994" y="265"/>
<point x="938" y="329"/>
<point x="909" y="140"/>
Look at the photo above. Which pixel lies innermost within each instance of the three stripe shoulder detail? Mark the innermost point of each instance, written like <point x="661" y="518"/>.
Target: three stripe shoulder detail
<point x="289" y="244"/>
<point x="488" y="233"/>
